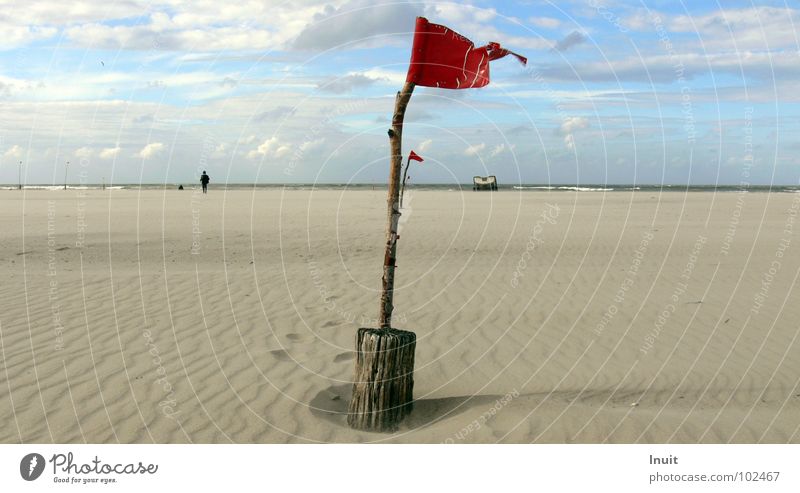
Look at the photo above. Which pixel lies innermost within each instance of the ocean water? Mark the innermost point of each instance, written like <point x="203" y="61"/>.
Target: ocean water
<point x="531" y="188"/>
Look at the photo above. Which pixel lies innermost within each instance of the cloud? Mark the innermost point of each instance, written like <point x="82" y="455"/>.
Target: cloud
<point x="13" y="152"/>
<point x="84" y="152"/>
<point x="270" y="148"/>
<point x="476" y="24"/>
<point x="393" y="77"/>
<point x="545" y="22"/>
<point x="424" y="145"/>
<point x="500" y="149"/>
<point x="475" y="149"/>
<point x="109" y="153"/>
<point x="172" y="37"/>
<point x="572" y="39"/>
<point x="15" y="36"/>
<point x="276" y="113"/>
<point x="340" y="85"/>
<point x="417" y="114"/>
<point x="568" y="127"/>
<point x="668" y="69"/>
<point x="220" y="151"/>
<point x="48" y="13"/>
<point x="357" y="22"/>
<point x="311" y="145"/>
<point x="572" y="123"/>
<point x="755" y="28"/>
<point x="463" y="14"/>
<point x="148" y="118"/>
<point x="183" y="26"/>
<point x="226" y="27"/>
<point x="229" y="82"/>
<point x="152" y="149"/>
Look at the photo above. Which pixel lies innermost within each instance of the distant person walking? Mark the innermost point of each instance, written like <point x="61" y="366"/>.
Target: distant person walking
<point x="204" y="179"/>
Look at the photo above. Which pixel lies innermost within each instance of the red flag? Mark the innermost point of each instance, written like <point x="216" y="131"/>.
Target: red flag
<point x="440" y="57"/>
<point x="415" y="157"/>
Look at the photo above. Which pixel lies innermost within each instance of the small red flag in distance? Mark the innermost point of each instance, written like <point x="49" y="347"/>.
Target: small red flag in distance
<point x="440" y="57"/>
<point x="415" y="157"/>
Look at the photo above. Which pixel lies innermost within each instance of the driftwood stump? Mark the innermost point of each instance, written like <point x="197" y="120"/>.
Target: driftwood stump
<point x="384" y="379"/>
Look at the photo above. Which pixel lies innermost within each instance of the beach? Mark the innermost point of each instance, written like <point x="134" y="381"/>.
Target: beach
<point x="542" y="316"/>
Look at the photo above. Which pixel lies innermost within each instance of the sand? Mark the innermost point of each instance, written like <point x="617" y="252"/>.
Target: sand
<point x="622" y="317"/>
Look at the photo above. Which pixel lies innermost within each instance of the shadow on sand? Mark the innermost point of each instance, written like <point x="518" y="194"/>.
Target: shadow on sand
<point x="331" y="405"/>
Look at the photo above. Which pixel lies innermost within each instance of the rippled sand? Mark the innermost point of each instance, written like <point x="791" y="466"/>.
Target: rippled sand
<point x="157" y="316"/>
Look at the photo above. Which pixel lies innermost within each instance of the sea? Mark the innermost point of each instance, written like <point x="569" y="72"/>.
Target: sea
<point x="533" y="188"/>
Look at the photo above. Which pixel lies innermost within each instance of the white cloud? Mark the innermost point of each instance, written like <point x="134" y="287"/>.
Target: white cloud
<point x="146" y="37"/>
<point x="475" y="149"/>
<point x="357" y="23"/>
<point x="462" y="14"/>
<point x="311" y="145"/>
<point x="189" y="26"/>
<point x="53" y="13"/>
<point x="151" y="150"/>
<point x="109" y="153"/>
<point x="394" y="77"/>
<point x="475" y="23"/>
<point x="84" y="152"/>
<point x="13" y="152"/>
<point x="755" y="28"/>
<point x="15" y="36"/>
<point x="500" y="149"/>
<point x="664" y="68"/>
<point x="347" y="83"/>
<point x="270" y="148"/>
<point x="572" y="123"/>
<point x="568" y="127"/>
<point x="220" y="151"/>
<point x="545" y="22"/>
<point x="424" y="145"/>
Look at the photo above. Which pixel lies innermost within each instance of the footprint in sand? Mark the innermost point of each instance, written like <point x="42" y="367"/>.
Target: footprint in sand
<point x="281" y="355"/>
<point x="346" y="356"/>
<point x="300" y="338"/>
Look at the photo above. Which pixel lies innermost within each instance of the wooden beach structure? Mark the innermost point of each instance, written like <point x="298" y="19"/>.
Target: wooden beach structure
<point x="484" y="183"/>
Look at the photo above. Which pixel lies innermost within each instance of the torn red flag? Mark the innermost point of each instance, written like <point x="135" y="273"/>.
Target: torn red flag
<point x="415" y="157"/>
<point x="440" y="57"/>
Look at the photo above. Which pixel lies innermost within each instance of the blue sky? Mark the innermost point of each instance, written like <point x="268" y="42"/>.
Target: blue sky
<point x="302" y="91"/>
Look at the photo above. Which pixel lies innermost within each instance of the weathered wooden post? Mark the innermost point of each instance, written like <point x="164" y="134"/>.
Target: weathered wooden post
<point x="383" y="384"/>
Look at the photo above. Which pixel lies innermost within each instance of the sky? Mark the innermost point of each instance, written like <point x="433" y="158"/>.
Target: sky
<point x="634" y="92"/>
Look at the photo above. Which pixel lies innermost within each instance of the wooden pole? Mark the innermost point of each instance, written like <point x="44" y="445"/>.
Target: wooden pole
<point x="383" y="383"/>
<point x="403" y="187"/>
<point x="392" y="202"/>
